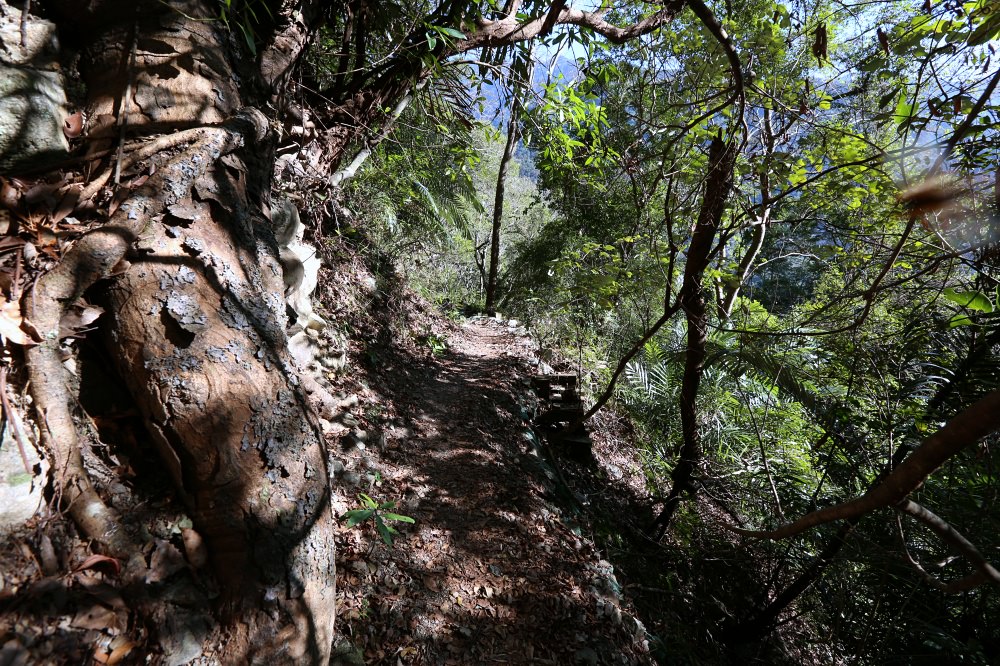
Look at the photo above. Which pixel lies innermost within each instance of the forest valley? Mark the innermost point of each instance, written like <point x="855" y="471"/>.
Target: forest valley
<point x="244" y="243"/>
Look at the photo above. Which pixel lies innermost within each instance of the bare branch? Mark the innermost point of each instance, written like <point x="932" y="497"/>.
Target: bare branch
<point x="552" y="16"/>
<point x="509" y="31"/>
<point x="953" y="538"/>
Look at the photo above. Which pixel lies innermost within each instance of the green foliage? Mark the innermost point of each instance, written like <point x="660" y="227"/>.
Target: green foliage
<point x="378" y="513"/>
<point x="857" y="326"/>
<point x="437" y="344"/>
<point x="247" y="16"/>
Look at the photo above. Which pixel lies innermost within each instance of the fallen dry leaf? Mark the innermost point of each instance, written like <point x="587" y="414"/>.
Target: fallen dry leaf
<point x="10" y="323"/>
<point x="165" y="561"/>
<point x="95" y="617"/>
<point x="120" y="648"/>
<point x="10" y="195"/>
<point x="100" y="562"/>
<point x="78" y="319"/>
<point x="67" y="204"/>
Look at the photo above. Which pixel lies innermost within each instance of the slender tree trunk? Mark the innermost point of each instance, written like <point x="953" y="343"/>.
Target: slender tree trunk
<point x="508" y="153"/>
<point x="732" y="290"/>
<point x="721" y="161"/>
<point x="513" y="136"/>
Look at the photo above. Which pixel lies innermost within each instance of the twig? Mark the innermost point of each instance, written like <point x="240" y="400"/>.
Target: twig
<point x="143" y="152"/>
<point x="15" y="284"/>
<point x="24" y="22"/>
<point x="123" y="112"/>
<point x="16" y="427"/>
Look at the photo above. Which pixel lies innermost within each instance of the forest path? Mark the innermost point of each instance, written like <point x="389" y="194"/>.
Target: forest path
<point x="489" y="573"/>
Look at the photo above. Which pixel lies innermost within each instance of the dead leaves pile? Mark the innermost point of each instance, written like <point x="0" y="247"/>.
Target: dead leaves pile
<point x="37" y="228"/>
<point x="63" y="612"/>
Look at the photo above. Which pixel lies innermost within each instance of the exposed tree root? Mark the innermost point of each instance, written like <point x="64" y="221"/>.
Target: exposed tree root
<point x="92" y="258"/>
<point x="143" y="152"/>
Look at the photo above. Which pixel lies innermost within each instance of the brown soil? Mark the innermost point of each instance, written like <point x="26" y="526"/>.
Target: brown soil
<point x="490" y="572"/>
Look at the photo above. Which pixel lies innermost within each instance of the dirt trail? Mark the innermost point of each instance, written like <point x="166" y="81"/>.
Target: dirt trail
<point x="489" y="573"/>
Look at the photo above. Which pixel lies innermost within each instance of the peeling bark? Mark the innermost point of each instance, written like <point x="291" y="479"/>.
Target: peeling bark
<point x="197" y="326"/>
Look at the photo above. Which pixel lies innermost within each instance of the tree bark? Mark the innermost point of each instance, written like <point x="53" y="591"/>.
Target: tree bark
<point x="513" y="136"/>
<point x="721" y="161"/>
<point x="196" y="324"/>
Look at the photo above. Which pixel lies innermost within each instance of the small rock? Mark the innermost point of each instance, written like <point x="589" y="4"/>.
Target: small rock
<point x="348" y="402"/>
<point x="352" y="478"/>
<point x="181" y="637"/>
<point x="359" y="436"/>
<point x="586" y="656"/>
<point x="349" y="420"/>
<point x="336" y="361"/>
<point x="336" y="468"/>
<point x="346" y="654"/>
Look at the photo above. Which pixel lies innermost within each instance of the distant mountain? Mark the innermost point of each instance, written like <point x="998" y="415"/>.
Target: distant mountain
<point x="495" y="100"/>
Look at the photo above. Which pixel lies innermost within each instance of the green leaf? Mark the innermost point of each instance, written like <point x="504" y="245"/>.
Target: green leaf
<point x="357" y="516"/>
<point x="887" y="98"/>
<point x="987" y="31"/>
<point x="368" y="501"/>
<point x="973" y="300"/>
<point x="904" y="110"/>
<point x="451" y="32"/>
<point x="385" y="531"/>
<point x="400" y="518"/>
<point x="248" y="36"/>
<point x="960" y="320"/>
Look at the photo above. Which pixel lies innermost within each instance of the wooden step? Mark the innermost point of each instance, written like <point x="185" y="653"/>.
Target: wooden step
<point x="545" y="385"/>
<point x="566" y="414"/>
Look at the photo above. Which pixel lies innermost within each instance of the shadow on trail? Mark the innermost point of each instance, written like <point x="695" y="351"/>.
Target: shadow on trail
<point x="489" y="572"/>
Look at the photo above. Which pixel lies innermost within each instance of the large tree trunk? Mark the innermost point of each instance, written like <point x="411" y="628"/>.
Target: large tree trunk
<point x="197" y="325"/>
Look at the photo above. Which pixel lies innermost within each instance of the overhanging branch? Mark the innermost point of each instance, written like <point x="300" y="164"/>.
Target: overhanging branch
<point x="509" y="31"/>
<point x="976" y="422"/>
<point x="954" y="538"/>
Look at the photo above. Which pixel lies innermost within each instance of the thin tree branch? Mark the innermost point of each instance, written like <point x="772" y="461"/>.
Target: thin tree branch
<point x="509" y="31"/>
<point x="348" y="172"/>
<point x="952" y="537"/>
